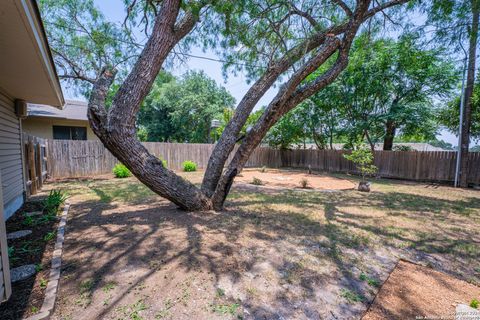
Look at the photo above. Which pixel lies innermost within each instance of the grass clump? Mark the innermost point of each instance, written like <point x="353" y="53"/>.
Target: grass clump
<point x="371" y="281"/>
<point x="189" y="166"/>
<point x="121" y="171"/>
<point x="230" y="309"/>
<point x="351" y="296"/>
<point x="474" y="304"/>
<point x="304" y="183"/>
<point x="49" y="236"/>
<point x="53" y="201"/>
<point x="257" y="182"/>
<point x="263" y="170"/>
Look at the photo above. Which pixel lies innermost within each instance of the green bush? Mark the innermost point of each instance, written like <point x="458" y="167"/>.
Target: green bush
<point x="120" y="171"/>
<point x="53" y="201"/>
<point x="362" y="157"/>
<point x="163" y="161"/>
<point x="257" y="182"/>
<point x="189" y="166"/>
<point x="474" y="303"/>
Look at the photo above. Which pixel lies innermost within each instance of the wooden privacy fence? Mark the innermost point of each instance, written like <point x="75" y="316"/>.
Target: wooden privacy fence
<point x="87" y="158"/>
<point x="409" y="165"/>
<point x="35" y="162"/>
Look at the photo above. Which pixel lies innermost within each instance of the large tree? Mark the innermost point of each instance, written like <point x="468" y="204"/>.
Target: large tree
<point x="284" y="39"/>
<point x="182" y="110"/>
<point x="390" y="87"/>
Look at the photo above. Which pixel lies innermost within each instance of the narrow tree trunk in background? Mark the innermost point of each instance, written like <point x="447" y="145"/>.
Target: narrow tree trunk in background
<point x="370" y="142"/>
<point x="467" y="111"/>
<point x="389" y="135"/>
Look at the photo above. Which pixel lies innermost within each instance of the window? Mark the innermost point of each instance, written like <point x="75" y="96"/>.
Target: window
<point x="69" y="133"/>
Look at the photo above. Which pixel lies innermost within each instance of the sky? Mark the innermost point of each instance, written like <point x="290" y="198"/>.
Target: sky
<point x="114" y="10"/>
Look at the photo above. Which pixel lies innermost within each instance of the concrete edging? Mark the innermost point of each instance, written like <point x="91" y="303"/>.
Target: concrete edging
<point x="54" y="277"/>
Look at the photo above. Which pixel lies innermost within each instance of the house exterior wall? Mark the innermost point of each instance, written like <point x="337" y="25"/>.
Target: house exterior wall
<point x="10" y="157"/>
<point x="42" y="127"/>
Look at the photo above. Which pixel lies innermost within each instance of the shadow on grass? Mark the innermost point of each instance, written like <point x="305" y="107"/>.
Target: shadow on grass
<point x="136" y="237"/>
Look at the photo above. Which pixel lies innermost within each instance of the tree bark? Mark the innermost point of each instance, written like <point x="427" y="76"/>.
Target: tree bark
<point x="227" y="140"/>
<point x="390" y="130"/>
<point x="467" y="112"/>
<point x="116" y="128"/>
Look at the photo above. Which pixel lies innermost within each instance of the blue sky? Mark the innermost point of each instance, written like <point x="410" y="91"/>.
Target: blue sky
<point x="114" y="10"/>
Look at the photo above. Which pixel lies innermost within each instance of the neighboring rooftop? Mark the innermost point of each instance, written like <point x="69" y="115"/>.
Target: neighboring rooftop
<point x="73" y="110"/>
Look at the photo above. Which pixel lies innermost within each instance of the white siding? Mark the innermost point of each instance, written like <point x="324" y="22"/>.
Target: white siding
<point x="10" y="157"/>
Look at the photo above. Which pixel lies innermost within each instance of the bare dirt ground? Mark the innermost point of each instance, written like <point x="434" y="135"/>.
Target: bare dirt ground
<point x="272" y="254"/>
<point x="414" y="291"/>
<point x="293" y="179"/>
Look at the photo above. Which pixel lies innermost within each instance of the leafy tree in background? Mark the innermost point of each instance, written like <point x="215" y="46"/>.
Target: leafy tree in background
<point x="448" y="115"/>
<point x="390" y="87"/>
<point x="181" y="110"/>
<point x="287" y="132"/>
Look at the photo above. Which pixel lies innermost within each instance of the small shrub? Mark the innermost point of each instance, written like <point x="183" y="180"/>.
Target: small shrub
<point x="163" y="161"/>
<point x="53" y="201"/>
<point x="11" y="252"/>
<point x="263" y="170"/>
<point x="121" y="171"/>
<point x="49" y="236"/>
<point x="189" y="166"/>
<point x="257" y="181"/>
<point x="43" y="283"/>
<point x="474" y="304"/>
<point x="304" y="183"/>
<point x="28" y="221"/>
<point x="220" y="292"/>
<point x="362" y="157"/>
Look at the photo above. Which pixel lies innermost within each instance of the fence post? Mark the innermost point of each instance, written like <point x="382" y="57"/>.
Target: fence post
<point x="38" y="164"/>
<point x="31" y="166"/>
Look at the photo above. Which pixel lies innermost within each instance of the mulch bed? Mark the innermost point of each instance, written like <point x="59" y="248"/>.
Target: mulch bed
<point x="416" y="292"/>
<point x="27" y="295"/>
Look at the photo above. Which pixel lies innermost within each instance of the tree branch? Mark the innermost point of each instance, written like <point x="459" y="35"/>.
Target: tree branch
<point x="344" y="7"/>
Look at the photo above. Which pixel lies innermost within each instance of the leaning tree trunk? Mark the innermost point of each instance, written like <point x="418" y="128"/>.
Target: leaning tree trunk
<point x="467" y="112"/>
<point x="116" y="128"/>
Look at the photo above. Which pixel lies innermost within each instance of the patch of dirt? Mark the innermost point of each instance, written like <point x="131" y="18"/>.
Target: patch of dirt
<point x="272" y="254"/>
<point x="27" y="295"/>
<point x="413" y="291"/>
<point x="152" y="261"/>
<point x="293" y="179"/>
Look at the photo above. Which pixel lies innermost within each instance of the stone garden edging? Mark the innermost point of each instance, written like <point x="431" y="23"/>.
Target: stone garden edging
<point x="54" y="277"/>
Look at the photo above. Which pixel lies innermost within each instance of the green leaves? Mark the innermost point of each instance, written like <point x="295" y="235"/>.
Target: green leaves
<point x="448" y="115"/>
<point x="83" y="41"/>
<point x="362" y="157"/>
<point x="182" y="110"/>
